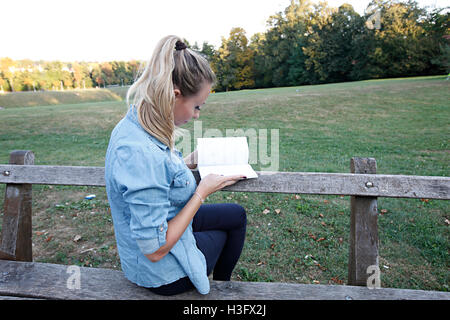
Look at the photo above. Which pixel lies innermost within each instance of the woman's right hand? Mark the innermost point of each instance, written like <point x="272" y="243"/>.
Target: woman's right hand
<point x="214" y="182"/>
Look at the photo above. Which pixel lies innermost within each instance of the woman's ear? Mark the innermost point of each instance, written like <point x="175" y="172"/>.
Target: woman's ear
<point x="177" y="92"/>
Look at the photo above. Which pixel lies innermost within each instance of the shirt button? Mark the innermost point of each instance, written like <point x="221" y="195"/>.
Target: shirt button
<point x="187" y="182"/>
<point x="161" y="229"/>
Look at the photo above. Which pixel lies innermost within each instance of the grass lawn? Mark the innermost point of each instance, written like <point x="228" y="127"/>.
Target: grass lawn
<point x="403" y="123"/>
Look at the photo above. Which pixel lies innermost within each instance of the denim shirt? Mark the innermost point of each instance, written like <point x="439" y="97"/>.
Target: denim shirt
<point x="147" y="185"/>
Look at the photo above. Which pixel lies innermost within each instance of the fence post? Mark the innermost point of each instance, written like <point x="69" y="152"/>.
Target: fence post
<point x="363" y="248"/>
<point x="17" y="228"/>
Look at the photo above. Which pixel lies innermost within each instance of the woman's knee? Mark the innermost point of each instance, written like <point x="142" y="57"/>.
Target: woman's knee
<point x="241" y="213"/>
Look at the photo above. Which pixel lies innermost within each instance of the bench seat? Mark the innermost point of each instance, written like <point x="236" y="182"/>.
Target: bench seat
<point x="49" y="281"/>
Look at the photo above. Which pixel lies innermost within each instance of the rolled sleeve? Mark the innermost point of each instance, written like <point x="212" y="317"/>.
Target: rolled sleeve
<point x="143" y="179"/>
<point x="148" y="246"/>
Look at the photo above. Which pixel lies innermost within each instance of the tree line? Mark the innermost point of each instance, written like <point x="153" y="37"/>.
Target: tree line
<point x="27" y="75"/>
<point x="304" y="44"/>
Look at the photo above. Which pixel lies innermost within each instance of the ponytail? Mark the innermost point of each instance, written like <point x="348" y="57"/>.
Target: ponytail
<point x="172" y="65"/>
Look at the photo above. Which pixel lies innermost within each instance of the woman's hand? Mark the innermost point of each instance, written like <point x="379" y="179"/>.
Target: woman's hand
<point x="214" y="182"/>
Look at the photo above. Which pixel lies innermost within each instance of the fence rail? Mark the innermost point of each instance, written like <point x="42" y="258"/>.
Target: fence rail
<point x="362" y="184"/>
<point x="350" y="184"/>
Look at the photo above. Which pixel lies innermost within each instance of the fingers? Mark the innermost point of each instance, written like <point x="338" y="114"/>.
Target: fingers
<point x="229" y="180"/>
<point x="215" y="182"/>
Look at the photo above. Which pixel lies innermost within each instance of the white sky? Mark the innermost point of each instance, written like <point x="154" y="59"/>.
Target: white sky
<point x="107" y="30"/>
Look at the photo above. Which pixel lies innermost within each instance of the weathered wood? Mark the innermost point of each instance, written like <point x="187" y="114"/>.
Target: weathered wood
<point x="17" y="229"/>
<point x="49" y="281"/>
<point x="363" y="246"/>
<point x="377" y="185"/>
<point x="6" y="256"/>
<point x="53" y="175"/>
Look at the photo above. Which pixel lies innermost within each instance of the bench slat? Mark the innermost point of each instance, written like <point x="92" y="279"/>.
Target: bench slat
<point x="49" y="281"/>
<point x="394" y="186"/>
<point x="55" y="175"/>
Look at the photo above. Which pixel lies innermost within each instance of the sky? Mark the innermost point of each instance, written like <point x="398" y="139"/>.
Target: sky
<point x="107" y="30"/>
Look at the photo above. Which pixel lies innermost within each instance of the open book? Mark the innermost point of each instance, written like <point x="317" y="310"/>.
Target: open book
<point x="225" y="156"/>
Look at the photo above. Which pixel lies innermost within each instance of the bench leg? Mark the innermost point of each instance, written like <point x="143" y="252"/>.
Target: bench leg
<point x="16" y="234"/>
<point x="363" y="246"/>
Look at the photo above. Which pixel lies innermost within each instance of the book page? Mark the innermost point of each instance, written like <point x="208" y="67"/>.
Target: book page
<point x="244" y="170"/>
<point x="222" y="151"/>
<point x="225" y="156"/>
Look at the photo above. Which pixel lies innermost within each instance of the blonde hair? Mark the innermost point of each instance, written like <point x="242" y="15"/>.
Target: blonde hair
<point x="171" y="66"/>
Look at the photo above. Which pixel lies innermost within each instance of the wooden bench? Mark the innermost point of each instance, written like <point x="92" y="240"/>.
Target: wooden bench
<point x="22" y="278"/>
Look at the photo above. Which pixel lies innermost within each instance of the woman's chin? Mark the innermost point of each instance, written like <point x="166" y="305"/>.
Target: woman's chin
<point x="179" y="124"/>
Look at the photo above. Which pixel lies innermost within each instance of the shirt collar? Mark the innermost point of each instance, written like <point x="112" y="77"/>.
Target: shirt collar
<point x="132" y="116"/>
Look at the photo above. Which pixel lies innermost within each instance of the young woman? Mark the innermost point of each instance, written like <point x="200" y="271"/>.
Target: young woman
<point x="168" y="241"/>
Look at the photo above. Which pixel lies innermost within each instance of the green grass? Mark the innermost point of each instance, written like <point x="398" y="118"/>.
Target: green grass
<point x="403" y="123"/>
<point x="39" y="98"/>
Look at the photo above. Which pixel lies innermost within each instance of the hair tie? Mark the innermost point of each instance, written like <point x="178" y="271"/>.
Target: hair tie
<point x="180" y="45"/>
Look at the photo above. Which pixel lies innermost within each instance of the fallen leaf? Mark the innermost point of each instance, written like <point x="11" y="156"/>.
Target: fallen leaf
<point x="48" y="239"/>
<point x="297" y="197"/>
<point x="341" y="240"/>
<point x="77" y="238"/>
<point x="266" y="211"/>
<point x="277" y="211"/>
<point x="320" y="267"/>
<point x="272" y="246"/>
<point x="383" y="211"/>
<point x="39" y="233"/>
<point x="326" y="201"/>
<point x="447" y="222"/>
<point x="312" y="236"/>
<point x="320" y="239"/>
<point x="337" y="280"/>
<point x="323" y="223"/>
<point x="320" y="215"/>
<point x="316" y="282"/>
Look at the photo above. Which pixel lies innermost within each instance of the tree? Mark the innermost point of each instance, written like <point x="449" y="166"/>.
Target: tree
<point x="234" y="62"/>
<point x="120" y="72"/>
<point x="208" y="51"/>
<point x="330" y="48"/>
<point x="279" y="59"/>
<point x="400" y="44"/>
<point x="437" y="27"/>
<point x="6" y="67"/>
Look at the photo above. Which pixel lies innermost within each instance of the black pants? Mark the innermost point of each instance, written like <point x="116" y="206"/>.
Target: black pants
<point x="219" y="230"/>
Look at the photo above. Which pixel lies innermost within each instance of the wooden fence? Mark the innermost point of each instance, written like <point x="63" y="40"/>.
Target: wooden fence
<point x="362" y="184"/>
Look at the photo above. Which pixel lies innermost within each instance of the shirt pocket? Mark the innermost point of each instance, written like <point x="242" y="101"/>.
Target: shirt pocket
<point x="182" y="188"/>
